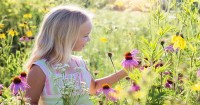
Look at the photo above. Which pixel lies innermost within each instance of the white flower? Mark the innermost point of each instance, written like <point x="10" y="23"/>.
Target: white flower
<point x="61" y="67"/>
<point x="78" y="69"/>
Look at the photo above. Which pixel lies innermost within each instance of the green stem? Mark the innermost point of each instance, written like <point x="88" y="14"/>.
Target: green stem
<point x="22" y="100"/>
<point x="114" y="68"/>
<point x="161" y="82"/>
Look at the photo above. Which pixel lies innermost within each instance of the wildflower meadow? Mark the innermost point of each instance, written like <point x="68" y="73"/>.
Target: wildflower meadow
<point x="157" y="42"/>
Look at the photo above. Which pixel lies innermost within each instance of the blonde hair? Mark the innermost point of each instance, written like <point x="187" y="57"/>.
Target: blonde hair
<point x="58" y="34"/>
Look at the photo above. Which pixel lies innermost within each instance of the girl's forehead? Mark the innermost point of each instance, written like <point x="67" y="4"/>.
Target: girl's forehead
<point x="86" y="27"/>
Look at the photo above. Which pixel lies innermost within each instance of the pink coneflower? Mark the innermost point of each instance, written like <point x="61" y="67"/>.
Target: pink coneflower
<point x="17" y="84"/>
<point x="160" y="64"/>
<point x="23" y="76"/>
<point x="129" y="62"/>
<point x="167" y="72"/>
<point x="144" y="67"/>
<point x="198" y="73"/>
<point x="108" y="92"/>
<point x="134" y="87"/>
<point x="128" y="78"/>
<point x="24" y="39"/>
<point x="169" y="84"/>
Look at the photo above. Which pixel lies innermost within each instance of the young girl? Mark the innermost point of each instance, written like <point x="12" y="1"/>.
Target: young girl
<point x="64" y="29"/>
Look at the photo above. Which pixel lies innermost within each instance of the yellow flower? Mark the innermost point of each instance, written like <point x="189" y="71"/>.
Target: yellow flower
<point x="179" y="42"/>
<point x="45" y="10"/>
<point x="93" y="10"/>
<point x="103" y="39"/>
<point x="119" y="3"/>
<point x="196" y="87"/>
<point x="113" y="94"/>
<point x="23" y="25"/>
<point x="1" y="25"/>
<point x="33" y="26"/>
<point x="29" y="33"/>
<point x="121" y="94"/>
<point x="2" y="36"/>
<point x="28" y="16"/>
<point x="12" y="32"/>
<point x="138" y="94"/>
<point x="175" y="38"/>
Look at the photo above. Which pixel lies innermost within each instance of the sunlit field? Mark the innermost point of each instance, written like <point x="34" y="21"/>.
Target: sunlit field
<point x="164" y="36"/>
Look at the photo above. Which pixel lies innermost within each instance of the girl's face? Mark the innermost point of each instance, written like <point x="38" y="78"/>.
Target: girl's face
<point x="83" y="37"/>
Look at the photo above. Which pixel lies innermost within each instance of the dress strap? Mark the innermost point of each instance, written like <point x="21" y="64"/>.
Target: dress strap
<point x="86" y="74"/>
<point x="42" y="64"/>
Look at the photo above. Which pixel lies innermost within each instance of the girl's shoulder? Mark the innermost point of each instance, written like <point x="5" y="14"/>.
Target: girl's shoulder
<point x="39" y="61"/>
<point x="77" y="58"/>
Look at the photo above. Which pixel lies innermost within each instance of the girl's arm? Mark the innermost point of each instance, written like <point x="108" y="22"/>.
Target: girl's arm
<point x="36" y="79"/>
<point x="97" y="84"/>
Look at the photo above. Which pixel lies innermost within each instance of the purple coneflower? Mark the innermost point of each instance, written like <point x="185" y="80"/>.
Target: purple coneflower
<point x="167" y="72"/>
<point x="108" y="92"/>
<point x="17" y="84"/>
<point x="23" y="76"/>
<point x="24" y="39"/>
<point x="144" y="67"/>
<point x="160" y="64"/>
<point x="169" y="84"/>
<point x="129" y="62"/>
<point x="134" y="87"/>
<point x="128" y="78"/>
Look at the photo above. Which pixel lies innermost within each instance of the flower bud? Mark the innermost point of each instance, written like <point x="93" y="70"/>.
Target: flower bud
<point x="110" y="54"/>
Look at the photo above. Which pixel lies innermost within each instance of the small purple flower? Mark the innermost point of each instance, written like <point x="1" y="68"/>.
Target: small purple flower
<point x="169" y="48"/>
<point x="129" y="62"/>
<point x="198" y="73"/>
<point x="1" y="86"/>
<point x="17" y="85"/>
<point x="169" y="84"/>
<point x="134" y="87"/>
<point x="141" y="68"/>
<point x="107" y="91"/>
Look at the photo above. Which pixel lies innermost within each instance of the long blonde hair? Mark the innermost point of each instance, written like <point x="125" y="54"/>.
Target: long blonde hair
<point x="58" y="34"/>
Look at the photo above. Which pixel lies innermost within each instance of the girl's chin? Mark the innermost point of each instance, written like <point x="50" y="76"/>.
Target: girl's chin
<point x="78" y="49"/>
